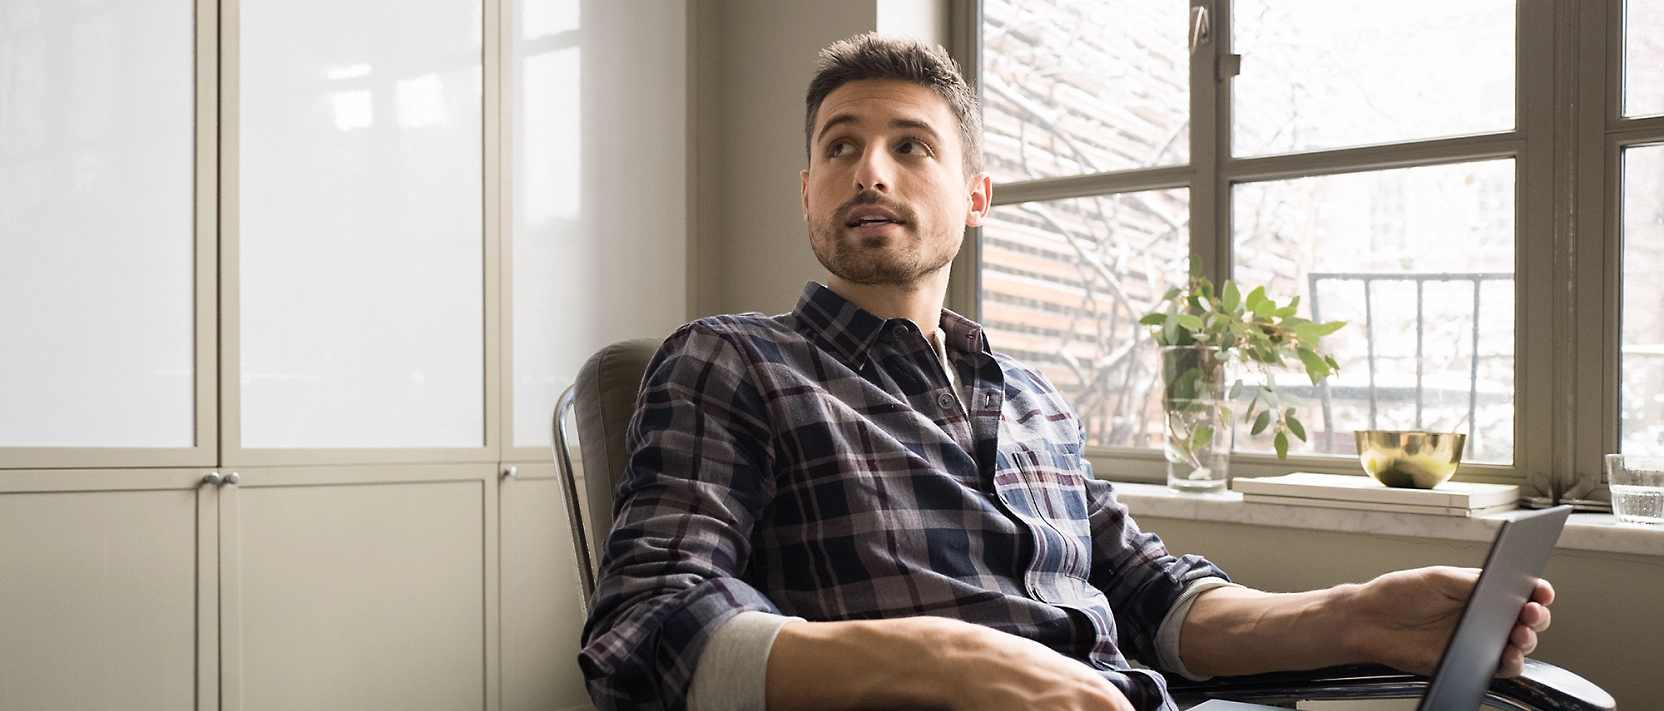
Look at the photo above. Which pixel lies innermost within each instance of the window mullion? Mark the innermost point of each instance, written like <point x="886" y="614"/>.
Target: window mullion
<point x="1589" y="434"/>
<point x="1210" y="198"/>
<point x="965" y="45"/>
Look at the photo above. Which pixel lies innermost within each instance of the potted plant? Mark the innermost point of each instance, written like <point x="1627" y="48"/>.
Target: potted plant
<point x="1200" y="331"/>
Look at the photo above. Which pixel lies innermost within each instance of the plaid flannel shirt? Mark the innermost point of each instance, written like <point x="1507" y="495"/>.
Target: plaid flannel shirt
<point x="818" y="464"/>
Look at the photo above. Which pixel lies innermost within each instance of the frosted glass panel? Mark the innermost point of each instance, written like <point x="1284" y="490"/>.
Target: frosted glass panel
<point x="361" y="243"/>
<point x="599" y="188"/>
<point x="96" y="244"/>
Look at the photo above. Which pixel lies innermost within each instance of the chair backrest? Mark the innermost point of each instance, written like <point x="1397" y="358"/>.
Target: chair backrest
<point x="602" y="398"/>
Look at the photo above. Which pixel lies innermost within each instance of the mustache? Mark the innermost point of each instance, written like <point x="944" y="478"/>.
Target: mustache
<point x="873" y="197"/>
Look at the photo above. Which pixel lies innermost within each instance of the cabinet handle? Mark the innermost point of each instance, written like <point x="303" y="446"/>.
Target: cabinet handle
<point x="510" y="472"/>
<point x="232" y="478"/>
<point x="211" y="479"/>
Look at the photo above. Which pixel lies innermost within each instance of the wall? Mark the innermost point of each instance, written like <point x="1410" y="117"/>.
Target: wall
<point x="752" y="63"/>
<point x="756" y="57"/>
<point x="1608" y="618"/>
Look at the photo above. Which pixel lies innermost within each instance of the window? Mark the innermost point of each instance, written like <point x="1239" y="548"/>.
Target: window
<point x="1395" y="166"/>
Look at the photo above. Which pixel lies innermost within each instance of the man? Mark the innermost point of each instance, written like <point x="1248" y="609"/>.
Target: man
<point x="859" y="505"/>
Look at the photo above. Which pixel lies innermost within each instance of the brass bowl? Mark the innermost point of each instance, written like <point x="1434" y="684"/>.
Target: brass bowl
<point x="1411" y="460"/>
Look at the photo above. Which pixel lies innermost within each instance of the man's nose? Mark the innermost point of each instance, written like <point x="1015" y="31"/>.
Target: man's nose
<point x="876" y="170"/>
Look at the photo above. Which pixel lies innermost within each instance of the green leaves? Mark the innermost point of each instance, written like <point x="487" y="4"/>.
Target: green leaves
<point x="1252" y="330"/>
<point x="1202" y="436"/>
<point x="1316" y="367"/>
<point x="1294" y="425"/>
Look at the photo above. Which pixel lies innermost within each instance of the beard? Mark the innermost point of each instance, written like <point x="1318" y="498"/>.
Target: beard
<point x="887" y="260"/>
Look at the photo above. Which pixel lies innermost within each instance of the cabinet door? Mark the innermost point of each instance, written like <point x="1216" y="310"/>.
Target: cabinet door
<point x="100" y="590"/>
<point x="542" y="616"/>
<point x="358" y="588"/>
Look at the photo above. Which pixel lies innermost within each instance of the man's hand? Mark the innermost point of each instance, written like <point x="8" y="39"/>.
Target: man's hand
<point x="998" y="671"/>
<point x="927" y="662"/>
<point x="1408" y="616"/>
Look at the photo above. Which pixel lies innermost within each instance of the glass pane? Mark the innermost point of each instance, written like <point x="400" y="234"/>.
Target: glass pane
<point x="1083" y="86"/>
<point x="1063" y="286"/>
<point x="1322" y="74"/>
<point x="599" y="244"/>
<point x="547" y="191"/>
<point x="1643" y="58"/>
<point x="1420" y="264"/>
<point x="96" y="224"/>
<point x="361" y="226"/>
<point x="1642" y="390"/>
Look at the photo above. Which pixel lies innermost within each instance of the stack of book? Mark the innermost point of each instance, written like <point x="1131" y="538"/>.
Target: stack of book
<point x="1339" y="491"/>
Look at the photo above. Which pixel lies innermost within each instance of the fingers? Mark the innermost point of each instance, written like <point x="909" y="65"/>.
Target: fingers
<point x="1543" y="593"/>
<point x="1535" y="616"/>
<point x="1513" y="663"/>
<point x="1524" y="639"/>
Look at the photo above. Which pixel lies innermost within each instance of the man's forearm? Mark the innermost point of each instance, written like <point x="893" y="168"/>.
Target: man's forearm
<point x="815" y="666"/>
<point x="1234" y="630"/>
<point x="926" y="662"/>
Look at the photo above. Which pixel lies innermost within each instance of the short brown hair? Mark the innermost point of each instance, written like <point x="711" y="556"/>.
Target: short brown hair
<point x="875" y="56"/>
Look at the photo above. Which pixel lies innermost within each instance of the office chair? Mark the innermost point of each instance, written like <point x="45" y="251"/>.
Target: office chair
<point x="603" y="398"/>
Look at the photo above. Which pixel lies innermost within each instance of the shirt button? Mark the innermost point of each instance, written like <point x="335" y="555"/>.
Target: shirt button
<point x="945" y="401"/>
<point x="899" y="331"/>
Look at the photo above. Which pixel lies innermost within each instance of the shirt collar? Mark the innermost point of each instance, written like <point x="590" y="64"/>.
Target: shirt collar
<point x="849" y="331"/>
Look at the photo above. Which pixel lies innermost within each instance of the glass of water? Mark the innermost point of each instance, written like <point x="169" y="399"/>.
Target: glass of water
<point x="1637" y="488"/>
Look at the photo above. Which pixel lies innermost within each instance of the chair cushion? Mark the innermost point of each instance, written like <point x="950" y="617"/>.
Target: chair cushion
<point x="603" y="400"/>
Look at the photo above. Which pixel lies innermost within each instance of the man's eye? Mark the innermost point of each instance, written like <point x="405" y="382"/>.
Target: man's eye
<point x="913" y="147"/>
<point x="838" y="149"/>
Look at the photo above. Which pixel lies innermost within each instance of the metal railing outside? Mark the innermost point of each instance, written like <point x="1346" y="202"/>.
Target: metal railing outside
<point x="1369" y="279"/>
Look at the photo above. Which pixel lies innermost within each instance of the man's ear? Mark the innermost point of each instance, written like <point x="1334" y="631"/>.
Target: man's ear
<point x="982" y="195"/>
<point x="804" y="188"/>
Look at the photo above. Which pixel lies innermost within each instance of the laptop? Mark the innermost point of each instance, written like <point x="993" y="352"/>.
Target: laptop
<point x="1516" y="561"/>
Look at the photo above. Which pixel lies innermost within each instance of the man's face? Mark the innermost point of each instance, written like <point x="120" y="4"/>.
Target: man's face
<point x="886" y="196"/>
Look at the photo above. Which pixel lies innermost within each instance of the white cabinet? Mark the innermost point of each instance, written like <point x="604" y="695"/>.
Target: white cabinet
<point x="296" y="588"/>
<point x="102" y="607"/>
<point x="357" y="588"/>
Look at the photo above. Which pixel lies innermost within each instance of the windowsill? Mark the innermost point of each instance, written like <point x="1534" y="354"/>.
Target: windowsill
<point x="1585" y="531"/>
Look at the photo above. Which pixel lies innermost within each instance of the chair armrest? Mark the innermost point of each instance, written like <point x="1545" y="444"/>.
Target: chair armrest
<point x="1541" y="687"/>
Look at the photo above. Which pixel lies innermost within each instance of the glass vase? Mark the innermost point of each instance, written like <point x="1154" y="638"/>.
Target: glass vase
<point x="1195" y="428"/>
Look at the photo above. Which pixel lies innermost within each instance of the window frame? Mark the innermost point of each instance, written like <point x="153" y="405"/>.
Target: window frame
<point x="1568" y="134"/>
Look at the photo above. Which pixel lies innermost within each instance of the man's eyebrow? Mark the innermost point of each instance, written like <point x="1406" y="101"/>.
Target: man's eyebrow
<point x="916" y="125"/>
<point x="835" y="121"/>
<point x="841" y="119"/>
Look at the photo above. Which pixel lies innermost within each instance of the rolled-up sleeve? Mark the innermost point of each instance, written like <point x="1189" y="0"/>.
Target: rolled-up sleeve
<point x="684" y="511"/>
<point x="1136" y="573"/>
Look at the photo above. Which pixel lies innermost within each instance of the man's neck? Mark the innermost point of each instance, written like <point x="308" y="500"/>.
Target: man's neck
<point x="919" y="302"/>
